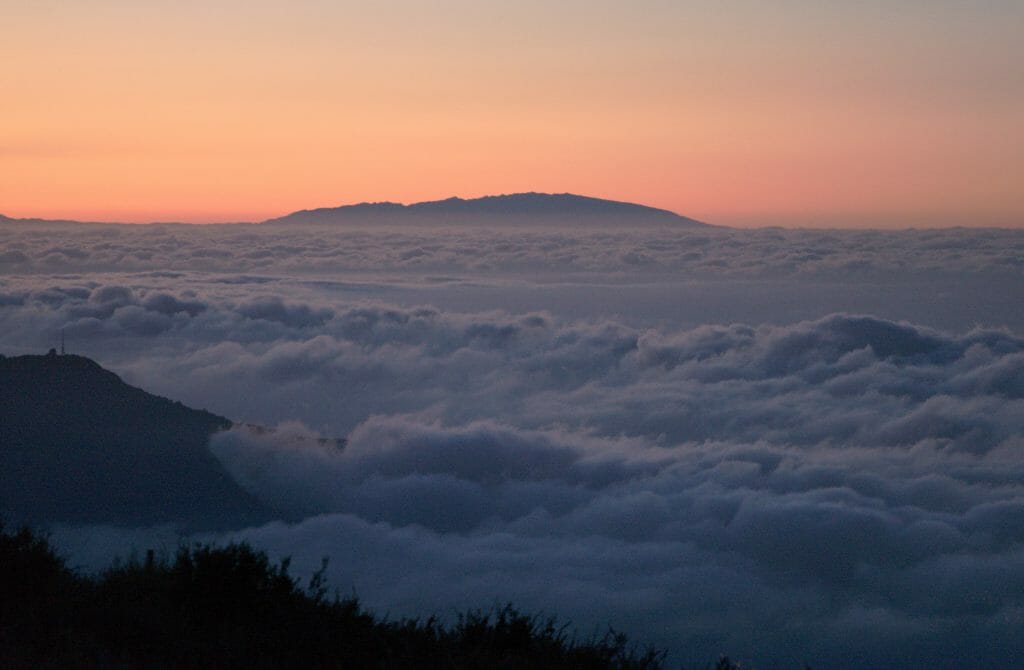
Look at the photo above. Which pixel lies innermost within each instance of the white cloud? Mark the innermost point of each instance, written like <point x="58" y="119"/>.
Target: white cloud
<point x="787" y="473"/>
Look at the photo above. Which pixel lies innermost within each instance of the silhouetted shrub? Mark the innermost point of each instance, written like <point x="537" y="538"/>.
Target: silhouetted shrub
<point x="41" y="601"/>
<point x="231" y="607"/>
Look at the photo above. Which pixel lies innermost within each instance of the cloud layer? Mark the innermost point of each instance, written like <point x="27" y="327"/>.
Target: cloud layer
<point x="843" y="489"/>
<point x="720" y="252"/>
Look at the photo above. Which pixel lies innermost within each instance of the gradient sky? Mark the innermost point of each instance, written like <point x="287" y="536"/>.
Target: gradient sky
<point x="742" y="113"/>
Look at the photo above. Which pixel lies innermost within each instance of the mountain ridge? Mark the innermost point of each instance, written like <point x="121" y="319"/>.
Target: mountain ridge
<point x="523" y="207"/>
<point x="520" y="208"/>
<point x="79" y="445"/>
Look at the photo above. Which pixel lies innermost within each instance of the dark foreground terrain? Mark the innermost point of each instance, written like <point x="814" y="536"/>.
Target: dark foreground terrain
<point x="78" y="445"/>
<point x="230" y="607"/>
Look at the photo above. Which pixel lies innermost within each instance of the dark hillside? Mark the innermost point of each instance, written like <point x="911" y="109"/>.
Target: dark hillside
<point x="79" y="445"/>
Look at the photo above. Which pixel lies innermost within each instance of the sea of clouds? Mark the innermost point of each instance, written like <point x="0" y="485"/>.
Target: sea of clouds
<point x="784" y="445"/>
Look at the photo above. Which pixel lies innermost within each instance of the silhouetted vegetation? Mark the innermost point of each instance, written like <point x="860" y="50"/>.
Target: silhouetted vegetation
<point x="231" y="607"/>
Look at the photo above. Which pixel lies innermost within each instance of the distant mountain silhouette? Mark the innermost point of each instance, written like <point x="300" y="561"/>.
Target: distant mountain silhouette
<point x="515" y="208"/>
<point x="9" y="220"/>
<point x="78" y="445"/>
<point x="519" y="208"/>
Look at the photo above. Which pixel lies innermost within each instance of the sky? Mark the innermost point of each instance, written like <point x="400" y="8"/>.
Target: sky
<point x="794" y="113"/>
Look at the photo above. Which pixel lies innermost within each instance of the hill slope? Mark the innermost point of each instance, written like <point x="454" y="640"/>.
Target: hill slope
<point x="521" y="208"/>
<point x="79" y="445"/>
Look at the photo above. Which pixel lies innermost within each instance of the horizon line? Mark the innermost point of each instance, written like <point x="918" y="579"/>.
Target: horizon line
<point x="793" y="220"/>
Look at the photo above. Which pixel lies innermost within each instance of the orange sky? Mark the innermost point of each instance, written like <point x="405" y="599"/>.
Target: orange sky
<point x="804" y="113"/>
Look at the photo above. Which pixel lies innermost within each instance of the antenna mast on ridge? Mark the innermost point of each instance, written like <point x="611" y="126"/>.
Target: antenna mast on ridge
<point x="61" y="341"/>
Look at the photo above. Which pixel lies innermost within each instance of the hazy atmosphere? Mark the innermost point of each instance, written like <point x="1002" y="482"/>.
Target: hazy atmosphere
<point x="774" y="409"/>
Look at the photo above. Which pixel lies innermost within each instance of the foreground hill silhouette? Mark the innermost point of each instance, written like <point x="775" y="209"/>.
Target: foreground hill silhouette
<point x="78" y="445"/>
<point x="230" y="607"/>
<point x="517" y="208"/>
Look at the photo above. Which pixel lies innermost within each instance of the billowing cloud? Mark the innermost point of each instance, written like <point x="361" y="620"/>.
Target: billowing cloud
<point x="791" y="471"/>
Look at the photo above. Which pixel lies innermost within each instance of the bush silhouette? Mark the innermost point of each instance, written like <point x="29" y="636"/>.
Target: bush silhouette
<point x="40" y="599"/>
<point x="230" y="607"/>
